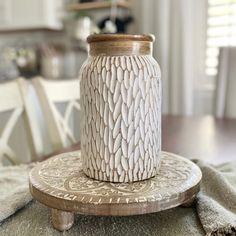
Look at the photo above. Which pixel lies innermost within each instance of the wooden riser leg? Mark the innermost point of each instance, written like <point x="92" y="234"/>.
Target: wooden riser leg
<point x="189" y="203"/>
<point x="62" y="220"/>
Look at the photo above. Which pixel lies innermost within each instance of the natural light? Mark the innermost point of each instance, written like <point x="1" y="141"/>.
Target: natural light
<point x="221" y="31"/>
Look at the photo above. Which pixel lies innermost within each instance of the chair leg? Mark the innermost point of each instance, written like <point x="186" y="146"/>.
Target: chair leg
<point x="62" y="220"/>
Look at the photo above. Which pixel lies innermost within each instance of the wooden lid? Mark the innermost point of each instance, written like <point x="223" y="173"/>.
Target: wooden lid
<point x="120" y="37"/>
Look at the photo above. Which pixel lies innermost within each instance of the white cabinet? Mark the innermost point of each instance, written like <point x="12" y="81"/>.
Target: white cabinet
<point x="31" y="14"/>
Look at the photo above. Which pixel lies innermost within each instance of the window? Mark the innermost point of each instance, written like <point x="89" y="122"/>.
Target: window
<point x="221" y="31"/>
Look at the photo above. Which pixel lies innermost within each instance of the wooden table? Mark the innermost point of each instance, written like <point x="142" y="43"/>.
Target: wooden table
<point x="206" y="138"/>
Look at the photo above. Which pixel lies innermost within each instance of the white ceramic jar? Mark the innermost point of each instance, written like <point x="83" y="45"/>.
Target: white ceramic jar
<point x="121" y="109"/>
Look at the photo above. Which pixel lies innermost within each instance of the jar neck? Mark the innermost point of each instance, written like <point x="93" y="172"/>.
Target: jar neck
<point x="122" y="48"/>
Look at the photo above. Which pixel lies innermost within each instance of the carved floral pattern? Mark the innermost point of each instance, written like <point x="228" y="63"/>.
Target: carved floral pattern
<point x="62" y="176"/>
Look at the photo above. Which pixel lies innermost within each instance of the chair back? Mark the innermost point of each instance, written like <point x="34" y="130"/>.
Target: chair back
<point x="19" y="129"/>
<point x="59" y="101"/>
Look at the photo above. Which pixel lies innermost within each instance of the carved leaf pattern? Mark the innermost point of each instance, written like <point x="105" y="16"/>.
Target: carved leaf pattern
<point x="121" y="107"/>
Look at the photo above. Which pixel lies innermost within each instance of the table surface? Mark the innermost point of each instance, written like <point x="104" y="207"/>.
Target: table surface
<point x="206" y="138"/>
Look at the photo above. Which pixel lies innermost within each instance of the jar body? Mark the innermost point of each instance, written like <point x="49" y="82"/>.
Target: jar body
<point x="121" y="117"/>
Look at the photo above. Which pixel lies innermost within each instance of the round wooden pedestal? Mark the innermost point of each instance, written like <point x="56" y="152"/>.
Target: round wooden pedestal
<point x="60" y="184"/>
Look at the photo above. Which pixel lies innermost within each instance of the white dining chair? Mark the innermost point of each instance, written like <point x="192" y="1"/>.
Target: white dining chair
<point x="225" y="95"/>
<point x="20" y="139"/>
<point x="60" y="106"/>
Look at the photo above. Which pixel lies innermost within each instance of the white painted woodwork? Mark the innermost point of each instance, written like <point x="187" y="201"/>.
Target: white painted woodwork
<point x="14" y="99"/>
<point x="31" y="14"/>
<point x="52" y="93"/>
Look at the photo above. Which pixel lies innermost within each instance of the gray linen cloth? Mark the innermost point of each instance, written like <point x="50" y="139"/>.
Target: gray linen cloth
<point x="14" y="189"/>
<point x="214" y="212"/>
<point x="216" y="202"/>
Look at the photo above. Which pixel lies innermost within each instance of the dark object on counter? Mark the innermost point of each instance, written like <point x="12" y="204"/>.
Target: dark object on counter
<point x="121" y="24"/>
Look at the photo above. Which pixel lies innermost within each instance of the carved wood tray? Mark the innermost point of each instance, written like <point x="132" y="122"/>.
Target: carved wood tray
<point x="60" y="184"/>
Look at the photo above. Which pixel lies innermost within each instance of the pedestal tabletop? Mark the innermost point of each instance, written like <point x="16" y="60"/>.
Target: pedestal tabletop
<point x="60" y="184"/>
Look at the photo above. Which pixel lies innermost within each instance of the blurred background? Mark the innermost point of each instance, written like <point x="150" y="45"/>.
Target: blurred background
<point x="194" y="46"/>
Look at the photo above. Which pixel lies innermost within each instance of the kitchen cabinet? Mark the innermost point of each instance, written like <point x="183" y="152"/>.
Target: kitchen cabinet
<point x="31" y="14"/>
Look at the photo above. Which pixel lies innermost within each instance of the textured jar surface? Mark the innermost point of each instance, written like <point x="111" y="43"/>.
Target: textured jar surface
<point x="121" y="117"/>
